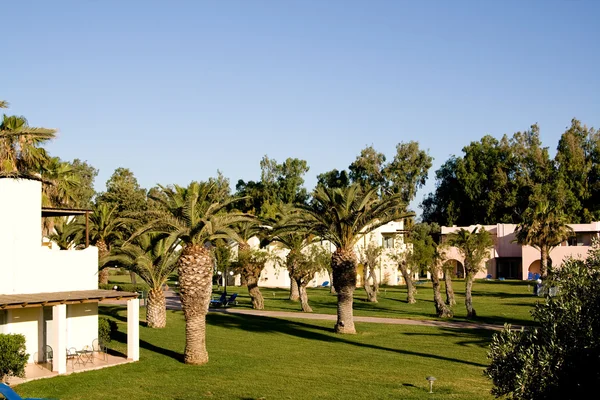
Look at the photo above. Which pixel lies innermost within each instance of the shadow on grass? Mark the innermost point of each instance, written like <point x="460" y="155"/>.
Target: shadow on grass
<point x="308" y="331"/>
<point x="470" y="337"/>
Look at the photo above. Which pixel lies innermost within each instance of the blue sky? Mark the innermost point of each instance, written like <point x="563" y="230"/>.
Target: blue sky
<point x="176" y="90"/>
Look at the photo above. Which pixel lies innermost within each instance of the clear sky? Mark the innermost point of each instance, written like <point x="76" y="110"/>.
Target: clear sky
<point x="175" y="90"/>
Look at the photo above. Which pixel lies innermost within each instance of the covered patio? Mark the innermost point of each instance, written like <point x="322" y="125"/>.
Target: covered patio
<point x="58" y="321"/>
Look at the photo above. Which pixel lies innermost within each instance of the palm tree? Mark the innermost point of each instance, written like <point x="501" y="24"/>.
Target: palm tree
<point x="20" y="154"/>
<point x="474" y="247"/>
<point x="153" y="259"/>
<point x="544" y="227"/>
<point x="195" y="216"/>
<point x="105" y="229"/>
<point x="59" y="184"/>
<point x="342" y="216"/>
<point x="66" y="233"/>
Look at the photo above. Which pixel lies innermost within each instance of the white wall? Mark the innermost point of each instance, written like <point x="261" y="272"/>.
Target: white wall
<point x="82" y="324"/>
<point x="25" y="322"/>
<point x="20" y="214"/>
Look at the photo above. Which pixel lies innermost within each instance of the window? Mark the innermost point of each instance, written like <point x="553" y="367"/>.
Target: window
<point x="388" y="242"/>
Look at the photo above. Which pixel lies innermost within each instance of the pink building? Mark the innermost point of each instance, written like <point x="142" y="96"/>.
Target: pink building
<point x="510" y="260"/>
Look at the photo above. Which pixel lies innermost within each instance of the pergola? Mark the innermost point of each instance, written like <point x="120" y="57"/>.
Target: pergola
<point x="70" y="212"/>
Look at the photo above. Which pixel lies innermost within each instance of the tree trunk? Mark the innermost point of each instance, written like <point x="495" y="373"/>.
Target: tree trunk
<point x="543" y="262"/>
<point x="294" y="293"/>
<point x="102" y="251"/>
<point x="441" y="309"/>
<point x="331" y="286"/>
<point x="156" y="309"/>
<point x="410" y="287"/>
<point x="304" y="296"/>
<point x="195" y="267"/>
<point x="343" y="265"/>
<point x="468" y="297"/>
<point x="258" y="302"/>
<point x="133" y="278"/>
<point x="449" y="291"/>
<point x="370" y="288"/>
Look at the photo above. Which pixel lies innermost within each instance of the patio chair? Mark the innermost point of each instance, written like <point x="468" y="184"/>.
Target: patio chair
<point x="221" y="302"/>
<point x="72" y="355"/>
<point x="9" y="394"/>
<point x="48" y="356"/>
<point x="325" y="284"/>
<point x="99" y="347"/>
<point x="232" y="300"/>
<point x="530" y="276"/>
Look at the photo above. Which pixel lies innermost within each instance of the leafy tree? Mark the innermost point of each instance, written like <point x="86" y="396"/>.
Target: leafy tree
<point x="86" y="174"/>
<point x="544" y="227"/>
<point x="400" y="257"/>
<point x="475" y="248"/>
<point x="196" y="217"/>
<point x="20" y="151"/>
<point x="369" y="258"/>
<point x="558" y="358"/>
<point x="124" y="191"/>
<point x="314" y="259"/>
<point x="333" y="179"/>
<point x="368" y="169"/>
<point x="426" y="254"/>
<point x="153" y="259"/>
<point x="342" y="216"/>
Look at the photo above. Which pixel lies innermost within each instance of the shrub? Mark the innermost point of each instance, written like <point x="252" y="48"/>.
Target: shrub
<point x="560" y="359"/>
<point x="125" y="287"/>
<point x="12" y="356"/>
<point x="106" y="329"/>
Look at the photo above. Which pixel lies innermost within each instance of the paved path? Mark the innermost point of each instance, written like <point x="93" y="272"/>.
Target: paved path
<point x="173" y="303"/>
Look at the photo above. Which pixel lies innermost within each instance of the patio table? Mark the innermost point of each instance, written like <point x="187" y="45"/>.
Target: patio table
<point x="84" y="356"/>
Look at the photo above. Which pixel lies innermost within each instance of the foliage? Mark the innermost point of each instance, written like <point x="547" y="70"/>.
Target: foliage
<point x="560" y="358"/>
<point x="424" y="249"/>
<point x="67" y="233"/>
<point x="107" y="328"/>
<point x="333" y="179"/>
<point x="125" y="287"/>
<point x="123" y="192"/>
<point x="84" y="193"/>
<point x="473" y="245"/>
<point x="13" y="356"/>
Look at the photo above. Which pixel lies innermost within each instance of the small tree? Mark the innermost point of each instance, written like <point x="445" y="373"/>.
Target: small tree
<point x="314" y="259"/>
<point x="249" y="264"/>
<point x="474" y="246"/>
<point x="369" y="257"/>
<point x="559" y="359"/>
<point x="13" y="356"/>
<point x="400" y="256"/>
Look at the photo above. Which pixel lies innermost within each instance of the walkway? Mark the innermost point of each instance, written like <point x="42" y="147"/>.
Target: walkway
<point x="173" y="303"/>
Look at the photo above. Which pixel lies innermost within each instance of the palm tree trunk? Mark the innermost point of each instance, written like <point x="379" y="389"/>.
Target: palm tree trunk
<point x="468" y="297"/>
<point x="258" y="302"/>
<point x="294" y="293"/>
<point x="304" y="296"/>
<point x="543" y="262"/>
<point x="102" y="251"/>
<point x="410" y="287"/>
<point x="449" y="291"/>
<point x="343" y="265"/>
<point x="441" y="309"/>
<point x="195" y="267"/>
<point x="156" y="309"/>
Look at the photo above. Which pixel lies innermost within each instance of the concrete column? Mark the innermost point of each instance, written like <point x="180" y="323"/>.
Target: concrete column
<point x="59" y="347"/>
<point x="133" y="329"/>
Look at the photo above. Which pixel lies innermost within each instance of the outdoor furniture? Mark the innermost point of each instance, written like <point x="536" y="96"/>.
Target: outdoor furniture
<point x="48" y="356"/>
<point x="72" y="355"/>
<point x="99" y="347"/>
<point x="10" y="394"/>
<point x="85" y="355"/>
<point x="325" y="284"/>
<point x="221" y="302"/>
<point x="232" y="300"/>
<point x="530" y="276"/>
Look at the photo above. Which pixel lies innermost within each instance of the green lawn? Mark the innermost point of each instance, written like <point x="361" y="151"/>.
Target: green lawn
<point x="265" y="358"/>
<point x="496" y="302"/>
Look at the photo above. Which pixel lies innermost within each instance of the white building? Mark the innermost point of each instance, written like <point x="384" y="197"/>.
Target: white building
<point x="390" y="236"/>
<point x="51" y="297"/>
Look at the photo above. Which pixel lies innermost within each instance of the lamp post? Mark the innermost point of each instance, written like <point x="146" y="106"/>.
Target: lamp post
<point x="430" y="379"/>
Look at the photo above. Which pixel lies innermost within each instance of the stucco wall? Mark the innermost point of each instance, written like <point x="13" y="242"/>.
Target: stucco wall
<point x="26" y="322"/>
<point x="82" y="324"/>
<point x="20" y="214"/>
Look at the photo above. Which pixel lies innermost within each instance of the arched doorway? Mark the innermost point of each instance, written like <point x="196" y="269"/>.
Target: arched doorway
<point x="457" y="268"/>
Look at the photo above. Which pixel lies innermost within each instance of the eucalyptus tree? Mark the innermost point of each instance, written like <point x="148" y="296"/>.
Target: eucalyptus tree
<point x="153" y="259"/>
<point x="544" y="227"/>
<point x="400" y="257"/>
<point x="475" y="247"/>
<point x="309" y="262"/>
<point x="369" y="255"/>
<point x="342" y="216"/>
<point x="197" y="217"/>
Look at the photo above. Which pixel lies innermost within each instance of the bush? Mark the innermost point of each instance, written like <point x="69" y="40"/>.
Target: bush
<point x="125" y="287"/>
<point x="12" y="356"/>
<point x="106" y="330"/>
<point x="560" y="359"/>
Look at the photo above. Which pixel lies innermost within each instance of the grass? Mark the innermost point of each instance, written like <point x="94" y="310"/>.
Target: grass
<point x="266" y="358"/>
<point x="496" y="302"/>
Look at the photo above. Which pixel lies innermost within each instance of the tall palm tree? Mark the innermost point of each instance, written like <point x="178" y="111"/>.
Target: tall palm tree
<point x="544" y="227"/>
<point x="66" y="233"/>
<point x="195" y="216"/>
<point x="153" y="259"/>
<point x="342" y="216"/>
<point x="106" y="228"/>
<point x="59" y="183"/>
<point x="474" y="247"/>
<point x="20" y="151"/>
